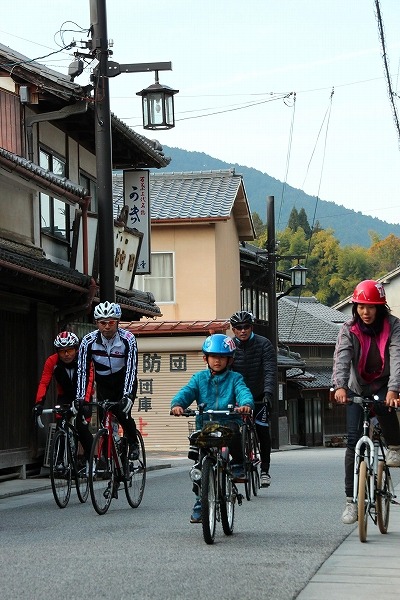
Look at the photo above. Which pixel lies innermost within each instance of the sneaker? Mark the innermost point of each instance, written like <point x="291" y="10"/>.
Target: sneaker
<point x="350" y="513"/>
<point x="134" y="451"/>
<point x="238" y="471"/>
<point x="196" y="514"/>
<point x="265" y="479"/>
<point x="392" y="457"/>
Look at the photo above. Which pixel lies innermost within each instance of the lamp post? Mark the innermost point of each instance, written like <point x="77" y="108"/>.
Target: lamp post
<point x="154" y="100"/>
<point x="298" y="279"/>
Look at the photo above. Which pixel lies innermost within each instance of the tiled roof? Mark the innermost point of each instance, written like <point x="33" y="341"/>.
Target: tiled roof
<point x="177" y="327"/>
<point x="28" y="259"/>
<point x="44" y="174"/>
<point x="191" y="196"/>
<point x="315" y="378"/>
<point x="307" y="321"/>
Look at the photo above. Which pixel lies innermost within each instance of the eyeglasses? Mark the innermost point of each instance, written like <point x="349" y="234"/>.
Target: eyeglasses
<point x="242" y="327"/>
<point x="111" y="322"/>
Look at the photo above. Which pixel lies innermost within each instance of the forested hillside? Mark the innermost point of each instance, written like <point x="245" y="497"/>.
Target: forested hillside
<point x="349" y="227"/>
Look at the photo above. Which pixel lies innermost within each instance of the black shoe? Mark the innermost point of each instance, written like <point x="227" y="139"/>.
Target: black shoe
<point x="134" y="451"/>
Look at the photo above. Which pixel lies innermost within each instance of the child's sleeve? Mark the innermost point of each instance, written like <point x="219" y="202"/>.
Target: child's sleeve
<point x="187" y="394"/>
<point x="244" y="396"/>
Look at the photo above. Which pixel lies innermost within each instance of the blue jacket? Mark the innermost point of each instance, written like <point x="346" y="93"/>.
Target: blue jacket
<point x="215" y="392"/>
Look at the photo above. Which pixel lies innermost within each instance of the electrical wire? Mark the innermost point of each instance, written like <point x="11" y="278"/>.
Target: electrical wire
<point x="386" y="69"/>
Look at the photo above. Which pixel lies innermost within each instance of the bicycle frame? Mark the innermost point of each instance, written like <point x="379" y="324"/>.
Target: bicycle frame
<point x="112" y="450"/>
<point x="212" y="475"/>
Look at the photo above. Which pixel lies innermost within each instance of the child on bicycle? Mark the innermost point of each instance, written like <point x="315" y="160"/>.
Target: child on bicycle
<point x="62" y="366"/>
<point x="217" y="388"/>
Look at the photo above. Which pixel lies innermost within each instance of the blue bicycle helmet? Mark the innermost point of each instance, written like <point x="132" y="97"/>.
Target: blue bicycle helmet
<point x="218" y="343"/>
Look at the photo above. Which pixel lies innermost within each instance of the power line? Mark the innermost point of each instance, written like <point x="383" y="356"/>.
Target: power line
<point x="386" y="68"/>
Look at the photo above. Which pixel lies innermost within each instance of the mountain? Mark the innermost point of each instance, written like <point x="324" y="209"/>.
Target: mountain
<point x="354" y="226"/>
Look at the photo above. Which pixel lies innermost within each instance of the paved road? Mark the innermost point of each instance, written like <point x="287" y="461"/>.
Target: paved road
<point x="281" y="540"/>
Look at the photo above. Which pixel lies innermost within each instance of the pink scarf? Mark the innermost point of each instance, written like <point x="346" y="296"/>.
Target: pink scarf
<point x="365" y="343"/>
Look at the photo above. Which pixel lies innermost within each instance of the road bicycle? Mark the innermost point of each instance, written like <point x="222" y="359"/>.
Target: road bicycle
<point x="111" y="464"/>
<point x="218" y="491"/>
<point x="252" y="459"/>
<point x="67" y="460"/>
<point x="373" y="489"/>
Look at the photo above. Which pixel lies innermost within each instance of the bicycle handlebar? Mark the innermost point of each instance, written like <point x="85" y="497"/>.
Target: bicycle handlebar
<point x="189" y="412"/>
<point x="47" y="411"/>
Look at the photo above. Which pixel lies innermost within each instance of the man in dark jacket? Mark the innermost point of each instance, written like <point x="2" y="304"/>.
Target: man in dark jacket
<point x="256" y="360"/>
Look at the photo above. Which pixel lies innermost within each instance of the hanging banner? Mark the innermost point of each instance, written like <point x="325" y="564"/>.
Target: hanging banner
<point x="137" y="199"/>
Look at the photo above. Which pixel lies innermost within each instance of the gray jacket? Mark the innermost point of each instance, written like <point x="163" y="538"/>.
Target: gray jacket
<point x="347" y="356"/>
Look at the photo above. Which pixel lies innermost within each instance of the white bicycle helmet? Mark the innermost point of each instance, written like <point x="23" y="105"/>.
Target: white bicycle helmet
<point x="66" y="339"/>
<point x="107" y="310"/>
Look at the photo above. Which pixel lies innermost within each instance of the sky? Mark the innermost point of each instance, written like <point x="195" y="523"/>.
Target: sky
<point x="295" y="89"/>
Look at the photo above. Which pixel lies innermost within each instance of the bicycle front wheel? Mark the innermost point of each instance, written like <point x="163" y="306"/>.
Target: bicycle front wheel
<point x="363" y="501"/>
<point x="101" y="473"/>
<point x="246" y="450"/>
<point x="227" y="503"/>
<point x="208" y="500"/>
<point x="81" y="475"/>
<point x="255" y="462"/>
<point x="61" y="469"/>
<point x="135" y="478"/>
<point x="383" y="496"/>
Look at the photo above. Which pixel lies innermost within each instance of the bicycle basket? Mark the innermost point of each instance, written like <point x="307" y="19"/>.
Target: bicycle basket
<point x="213" y="435"/>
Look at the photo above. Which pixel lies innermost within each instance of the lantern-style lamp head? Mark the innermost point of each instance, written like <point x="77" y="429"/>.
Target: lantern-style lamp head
<point x="158" y="106"/>
<point x="298" y="275"/>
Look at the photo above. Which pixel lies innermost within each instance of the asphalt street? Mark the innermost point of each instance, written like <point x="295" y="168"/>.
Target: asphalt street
<point x="281" y="539"/>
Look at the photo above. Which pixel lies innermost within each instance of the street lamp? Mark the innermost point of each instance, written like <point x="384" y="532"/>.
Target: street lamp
<point x="297" y="277"/>
<point x="160" y="98"/>
<point x="158" y="106"/>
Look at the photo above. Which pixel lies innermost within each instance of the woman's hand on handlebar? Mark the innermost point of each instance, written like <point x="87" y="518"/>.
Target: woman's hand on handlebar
<point x="177" y="411"/>
<point x="341" y="396"/>
<point x="392" y="399"/>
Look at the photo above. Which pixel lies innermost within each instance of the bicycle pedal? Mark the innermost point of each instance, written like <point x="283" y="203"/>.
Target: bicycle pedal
<point x="239" y="499"/>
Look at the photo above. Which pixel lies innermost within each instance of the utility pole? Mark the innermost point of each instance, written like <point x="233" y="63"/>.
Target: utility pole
<point x="103" y="143"/>
<point x="273" y="312"/>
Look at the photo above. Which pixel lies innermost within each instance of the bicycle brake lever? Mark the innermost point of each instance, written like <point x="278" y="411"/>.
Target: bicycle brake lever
<point x="39" y="422"/>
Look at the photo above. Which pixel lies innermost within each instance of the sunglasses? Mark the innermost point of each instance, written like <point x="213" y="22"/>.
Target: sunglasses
<point x="111" y="322"/>
<point x="242" y="327"/>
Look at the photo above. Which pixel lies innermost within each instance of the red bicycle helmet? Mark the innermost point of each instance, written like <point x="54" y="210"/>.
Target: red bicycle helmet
<point x="369" y="292"/>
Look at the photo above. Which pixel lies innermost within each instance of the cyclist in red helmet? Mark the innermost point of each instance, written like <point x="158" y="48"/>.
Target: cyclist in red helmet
<point x="62" y="366"/>
<point x="367" y="361"/>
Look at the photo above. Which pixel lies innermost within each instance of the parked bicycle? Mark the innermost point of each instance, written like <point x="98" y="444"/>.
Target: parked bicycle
<point x="67" y="460"/>
<point x="373" y="489"/>
<point x="111" y="465"/>
<point x="219" y="493"/>
<point x="252" y="458"/>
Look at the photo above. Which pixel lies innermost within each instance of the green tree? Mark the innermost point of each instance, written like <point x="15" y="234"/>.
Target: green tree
<point x="384" y="255"/>
<point x="322" y="264"/>
<point x="259" y="226"/>
<point x="353" y="266"/>
<point x="304" y="224"/>
<point x="293" y="221"/>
